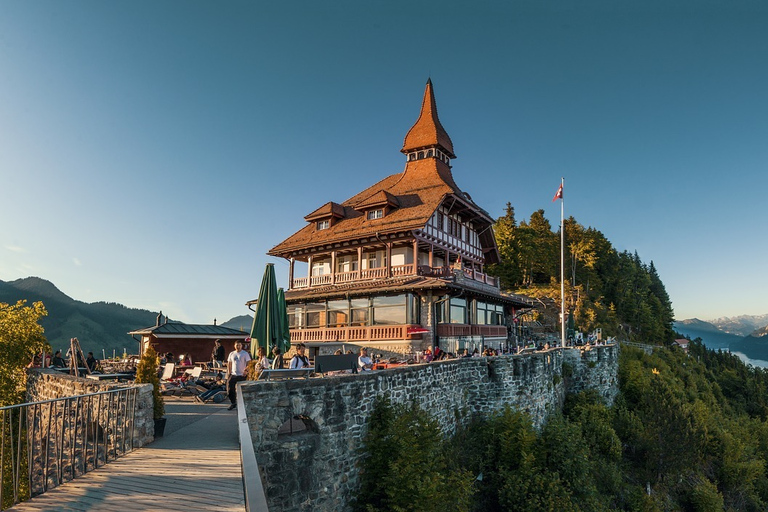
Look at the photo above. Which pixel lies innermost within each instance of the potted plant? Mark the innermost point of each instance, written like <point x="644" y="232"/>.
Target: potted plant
<point x="147" y="373"/>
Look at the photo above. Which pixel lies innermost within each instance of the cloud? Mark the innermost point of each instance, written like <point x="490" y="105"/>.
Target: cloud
<point x="77" y="262"/>
<point x="15" y="248"/>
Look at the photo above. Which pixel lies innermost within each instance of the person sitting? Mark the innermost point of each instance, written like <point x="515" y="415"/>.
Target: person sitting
<point x="428" y="355"/>
<point x="299" y="360"/>
<point x="363" y="361"/>
<point x="58" y="361"/>
<point x="262" y="363"/>
<point x="91" y="361"/>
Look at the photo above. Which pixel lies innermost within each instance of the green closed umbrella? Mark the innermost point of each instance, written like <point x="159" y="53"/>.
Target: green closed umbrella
<point x="285" y="342"/>
<point x="270" y="321"/>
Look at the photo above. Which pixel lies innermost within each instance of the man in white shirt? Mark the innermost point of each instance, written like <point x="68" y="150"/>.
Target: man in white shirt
<point x="236" y="365"/>
<point x="363" y="361"/>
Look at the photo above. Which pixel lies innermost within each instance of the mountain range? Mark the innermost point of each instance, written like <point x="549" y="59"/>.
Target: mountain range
<point x="101" y="327"/>
<point x="745" y="334"/>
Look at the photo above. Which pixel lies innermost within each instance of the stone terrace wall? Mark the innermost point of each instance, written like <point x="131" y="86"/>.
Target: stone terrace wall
<point x="316" y="469"/>
<point x="49" y="384"/>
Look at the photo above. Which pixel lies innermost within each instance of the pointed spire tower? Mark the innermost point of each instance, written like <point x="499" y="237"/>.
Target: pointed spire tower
<point x="427" y="138"/>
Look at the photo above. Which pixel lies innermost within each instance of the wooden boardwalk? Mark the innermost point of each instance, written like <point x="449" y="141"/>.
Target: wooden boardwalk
<point x="195" y="467"/>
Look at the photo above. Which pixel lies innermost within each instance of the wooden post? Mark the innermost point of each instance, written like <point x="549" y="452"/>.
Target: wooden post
<point x="309" y="270"/>
<point x="333" y="267"/>
<point x="415" y="256"/>
<point x="360" y="262"/>
<point x="290" y="272"/>
<point x="389" y="259"/>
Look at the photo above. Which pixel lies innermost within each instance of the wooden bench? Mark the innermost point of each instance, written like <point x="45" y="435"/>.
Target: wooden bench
<point x="288" y="373"/>
<point x="325" y="364"/>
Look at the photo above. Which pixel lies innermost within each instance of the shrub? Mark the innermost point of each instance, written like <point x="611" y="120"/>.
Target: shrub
<point x="146" y="373"/>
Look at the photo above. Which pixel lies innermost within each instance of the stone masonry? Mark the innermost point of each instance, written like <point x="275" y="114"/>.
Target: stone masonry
<point x="307" y="434"/>
<point x="43" y="384"/>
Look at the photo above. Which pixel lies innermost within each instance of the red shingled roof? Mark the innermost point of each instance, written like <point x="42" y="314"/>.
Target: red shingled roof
<point x="414" y="195"/>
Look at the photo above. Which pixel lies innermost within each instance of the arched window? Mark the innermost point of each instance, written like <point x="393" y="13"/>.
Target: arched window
<point x="297" y="425"/>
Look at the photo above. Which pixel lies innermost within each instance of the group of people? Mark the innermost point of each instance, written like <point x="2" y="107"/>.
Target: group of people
<point x="58" y="361"/>
<point x="237" y="364"/>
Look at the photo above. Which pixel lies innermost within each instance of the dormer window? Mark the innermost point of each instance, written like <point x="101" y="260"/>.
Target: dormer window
<point x="375" y="214"/>
<point x="323" y="224"/>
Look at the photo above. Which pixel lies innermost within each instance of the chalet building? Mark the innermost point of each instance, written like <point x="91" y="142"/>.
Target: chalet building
<point x="401" y="265"/>
<point x="179" y="338"/>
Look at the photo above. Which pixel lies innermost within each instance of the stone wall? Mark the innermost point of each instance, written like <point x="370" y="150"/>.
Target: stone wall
<point x="307" y="434"/>
<point x="43" y="384"/>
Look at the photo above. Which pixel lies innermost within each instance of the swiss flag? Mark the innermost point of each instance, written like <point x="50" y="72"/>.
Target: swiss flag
<point x="559" y="194"/>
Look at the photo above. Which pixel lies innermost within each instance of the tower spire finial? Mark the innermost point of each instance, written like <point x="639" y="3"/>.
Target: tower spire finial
<point x="427" y="132"/>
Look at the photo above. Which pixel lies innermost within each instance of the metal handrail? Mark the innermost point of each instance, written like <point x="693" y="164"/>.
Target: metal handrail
<point x="255" y="498"/>
<point x="45" y="443"/>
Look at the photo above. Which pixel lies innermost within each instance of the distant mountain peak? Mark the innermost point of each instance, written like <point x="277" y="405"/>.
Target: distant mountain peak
<point x="41" y="287"/>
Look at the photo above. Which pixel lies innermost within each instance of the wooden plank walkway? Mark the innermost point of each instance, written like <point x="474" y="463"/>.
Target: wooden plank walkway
<point x="195" y="467"/>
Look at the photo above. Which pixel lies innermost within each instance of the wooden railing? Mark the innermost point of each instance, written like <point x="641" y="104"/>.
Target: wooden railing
<point x="395" y="271"/>
<point x="351" y="334"/>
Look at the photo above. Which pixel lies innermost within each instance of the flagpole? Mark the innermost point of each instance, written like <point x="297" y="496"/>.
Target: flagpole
<point x="562" y="266"/>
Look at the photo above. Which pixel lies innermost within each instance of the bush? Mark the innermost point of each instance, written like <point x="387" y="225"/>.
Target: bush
<point x="146" y="373"/>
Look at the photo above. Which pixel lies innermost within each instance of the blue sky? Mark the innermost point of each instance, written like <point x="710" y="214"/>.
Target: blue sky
<point x="152" y="152"/>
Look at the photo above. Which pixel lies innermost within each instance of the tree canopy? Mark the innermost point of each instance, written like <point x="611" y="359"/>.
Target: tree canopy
<point x="21" y="337"/>
<point x="606" y="289"/>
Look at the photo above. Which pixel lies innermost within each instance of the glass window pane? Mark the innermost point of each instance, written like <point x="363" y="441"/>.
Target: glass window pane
<point x="389" y="301"/>
<point x="389" y="315"/>
<point x="359" y="317"/>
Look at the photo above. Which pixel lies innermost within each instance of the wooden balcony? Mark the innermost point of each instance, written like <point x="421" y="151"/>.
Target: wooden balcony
<point x="395" y="271"/>
<point x="353" y="334"/>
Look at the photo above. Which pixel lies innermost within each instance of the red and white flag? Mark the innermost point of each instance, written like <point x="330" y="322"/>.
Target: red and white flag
<point x="558" y="194"/>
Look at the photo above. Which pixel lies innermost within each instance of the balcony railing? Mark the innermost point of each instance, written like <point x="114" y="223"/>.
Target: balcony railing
<point x="352" y="334"/>
<point x="395" y="271"/>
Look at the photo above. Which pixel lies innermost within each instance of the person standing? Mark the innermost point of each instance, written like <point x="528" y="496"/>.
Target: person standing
<point x="236" y="364"/>
<point x="217" y="355"/>
<point x="299" y="360"/>
<point x="277" y="362"/>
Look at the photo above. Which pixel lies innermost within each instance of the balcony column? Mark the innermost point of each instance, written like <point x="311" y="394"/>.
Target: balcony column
<point x="333" y="267"/>
<point x="290" y="272"/>
<point x="431" y="255"/>
<point x="360" y="262"/>
<point x="309" y="271"/>
<point x="389" y="259"/>
<point x="415" y="256"/>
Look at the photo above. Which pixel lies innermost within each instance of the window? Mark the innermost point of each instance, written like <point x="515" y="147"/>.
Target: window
<point x="376" y="214"/>
<point x="323" y="224"/>
<point x="458" y="311"/>
<point x="338" y="313"/>
<point x="295" y="316"/>
<point x="359" y="309"/>
<point x="439" y="220"/>
<point x="316" y="315"/>
<point x="390" y="310"/>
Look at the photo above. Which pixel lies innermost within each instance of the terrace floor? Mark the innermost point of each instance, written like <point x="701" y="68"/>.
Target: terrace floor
<point x="194" y="467"/>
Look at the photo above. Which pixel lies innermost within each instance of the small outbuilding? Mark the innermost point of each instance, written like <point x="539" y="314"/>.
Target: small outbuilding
<point x="179" y="338"/>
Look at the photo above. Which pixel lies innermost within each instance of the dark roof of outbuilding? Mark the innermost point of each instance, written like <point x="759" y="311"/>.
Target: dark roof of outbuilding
<point x="179" y="328"/>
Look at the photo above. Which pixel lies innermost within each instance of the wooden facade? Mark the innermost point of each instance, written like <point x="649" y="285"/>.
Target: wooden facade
<point x="414" y="237"/>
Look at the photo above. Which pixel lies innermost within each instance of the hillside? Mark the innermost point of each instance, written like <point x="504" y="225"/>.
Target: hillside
<point x="99" y="325"/>
<point x="754" y="346"/>
<point x="241" y="323"/>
